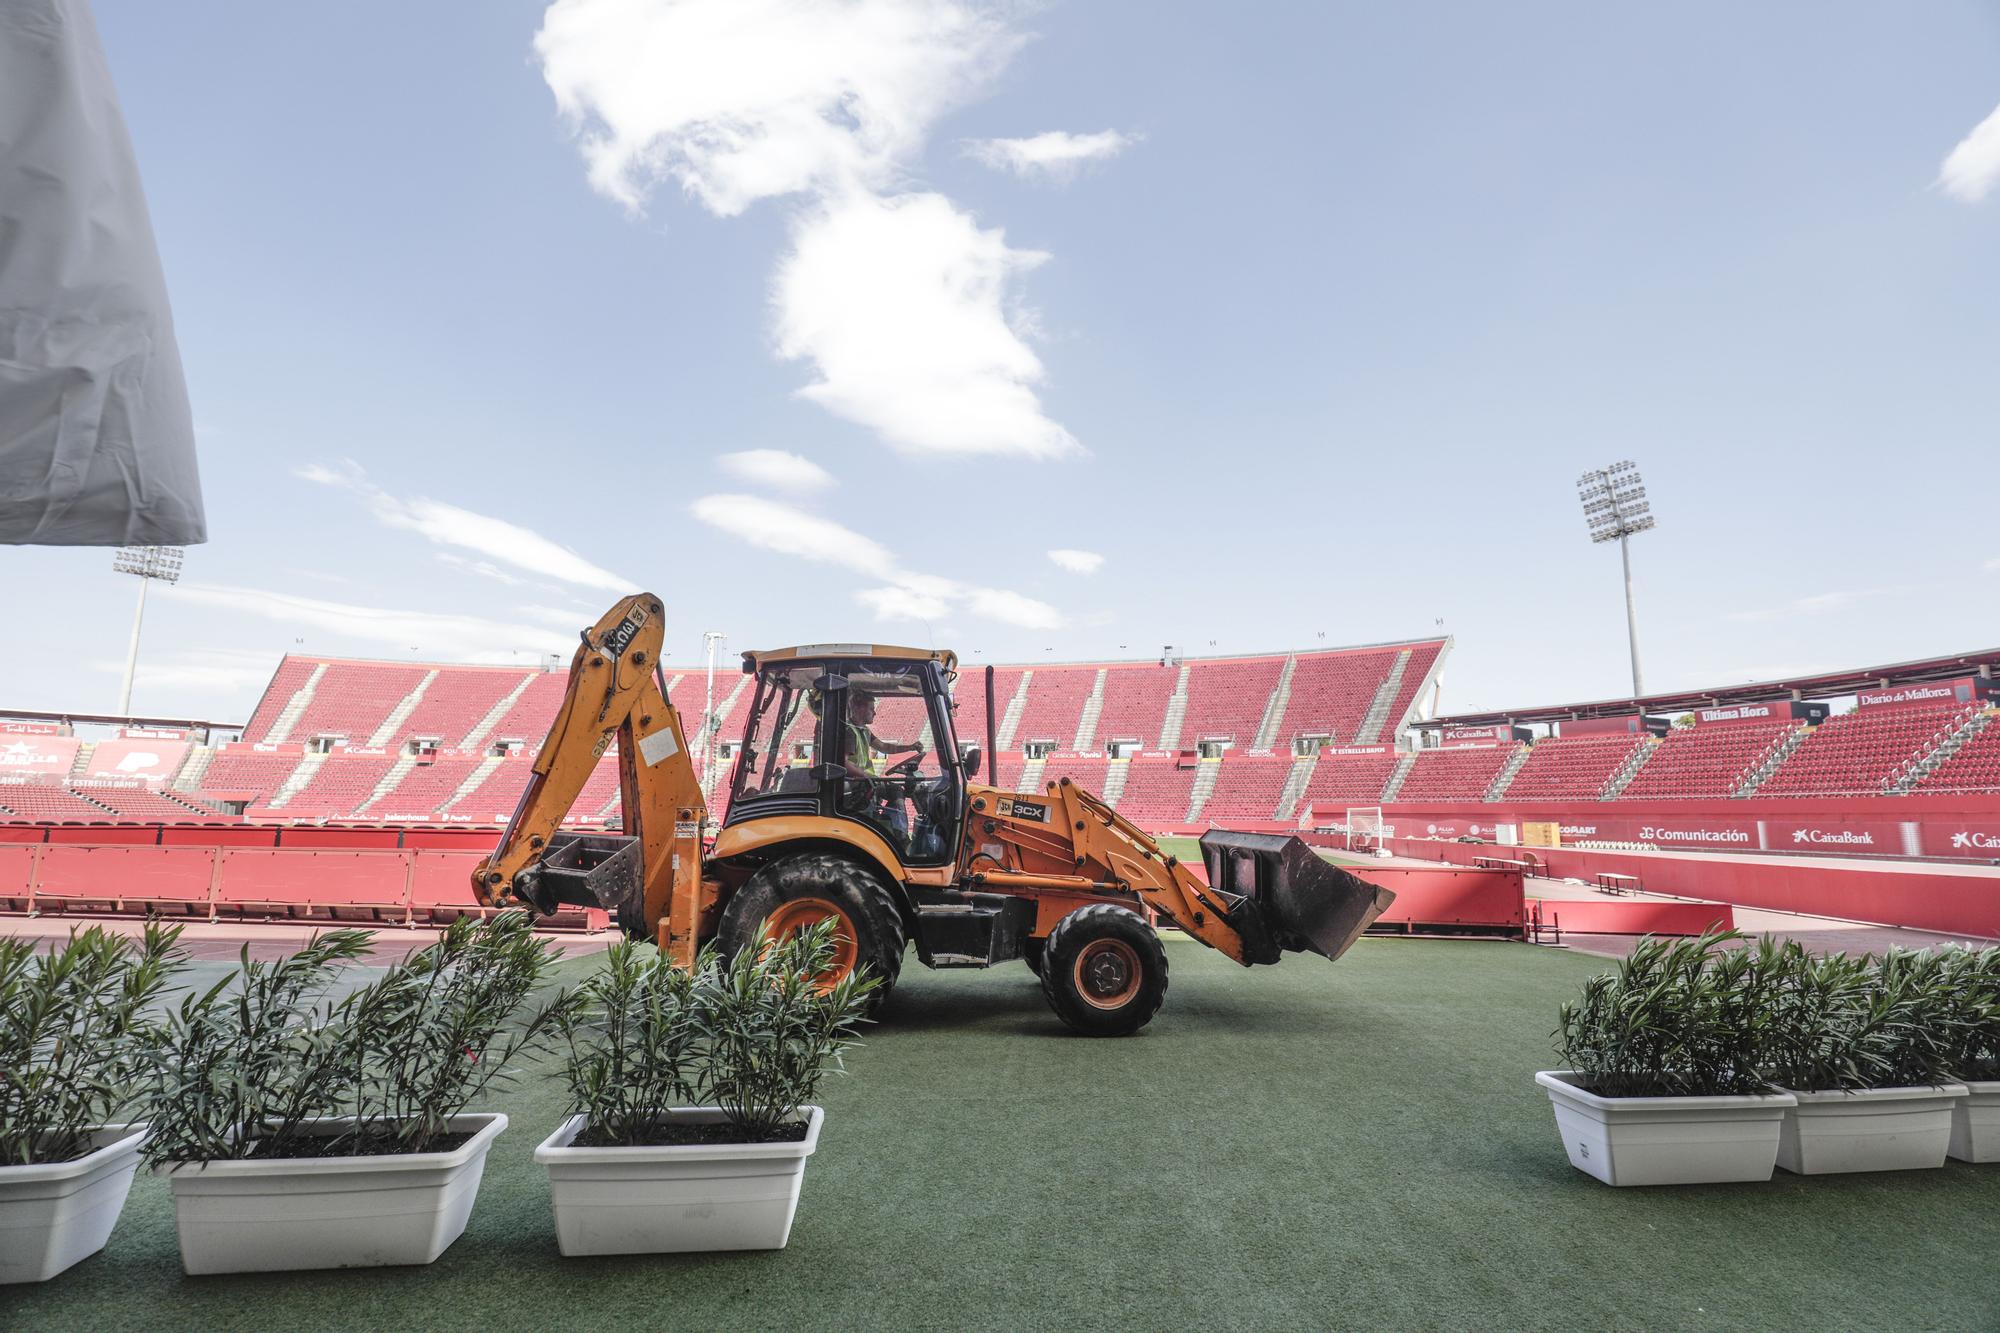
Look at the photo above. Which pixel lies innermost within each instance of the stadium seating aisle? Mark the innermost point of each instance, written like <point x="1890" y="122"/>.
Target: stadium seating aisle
<point x="1975" y="768"/>
<point x="1226" y="699"/>
<point x="354" y="698"/>
<point x="1135" y="703"/>
<point x="1454" y="775"/>
<point x="454" y="703"/>
<point x="1858" y="753"/>
<point x="1158" y="790"/>
<point x="1331" y="693"/>
<point x="237" y="775"/>
<point x="292" y="673"/>
<point x="1055" y="706"/>
<point x="1349" y="779"/>
<point x="1710" y="761"/>
<point x="1247" y="787"/>
<point x="342" y="783"/>
<point x="1575" y="768"/>
<point x="425" y="788"/>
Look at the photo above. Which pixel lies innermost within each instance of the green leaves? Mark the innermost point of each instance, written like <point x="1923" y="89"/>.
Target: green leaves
<point x="251" y="1066"/>
<point x="752" y="1036"/>
<point x="74" y="1029"/>
<point x="1688" y="1017"/>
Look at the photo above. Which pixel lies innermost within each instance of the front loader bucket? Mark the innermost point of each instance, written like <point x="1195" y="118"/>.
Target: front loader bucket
<point x="585" y="870"/>
<point x="1292" y="899"/>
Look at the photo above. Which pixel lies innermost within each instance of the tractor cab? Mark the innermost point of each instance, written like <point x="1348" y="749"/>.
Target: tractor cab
<point x="860" y="733"/>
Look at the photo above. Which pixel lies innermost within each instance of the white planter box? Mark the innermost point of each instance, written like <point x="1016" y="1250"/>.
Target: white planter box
<point x="1666" y="1140"/>
<point x="1875" y="1129"/>
<point x="282" y="1213"/>
<point x="59" y="1214"/>
<point x="713" y="1196"/>
<point x="1975" y="1124"/>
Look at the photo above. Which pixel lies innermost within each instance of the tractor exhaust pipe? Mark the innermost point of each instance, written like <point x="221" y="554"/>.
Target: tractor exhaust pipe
<point x="1287" y="897"/>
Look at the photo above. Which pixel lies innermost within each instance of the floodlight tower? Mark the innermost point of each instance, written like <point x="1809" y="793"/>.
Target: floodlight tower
<point x="711" y="643"/>
<point x="148" y="563"/>
<point x="1614" y="504"/>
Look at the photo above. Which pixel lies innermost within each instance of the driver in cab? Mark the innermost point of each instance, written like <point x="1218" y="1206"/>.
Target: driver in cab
<point x="863" y="745"/>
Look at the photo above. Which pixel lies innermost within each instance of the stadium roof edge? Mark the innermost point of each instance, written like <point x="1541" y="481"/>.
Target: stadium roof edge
<point x="1833" y="684"/>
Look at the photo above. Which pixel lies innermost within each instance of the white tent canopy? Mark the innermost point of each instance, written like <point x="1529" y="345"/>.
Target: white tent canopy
<point x="96" y="439"/>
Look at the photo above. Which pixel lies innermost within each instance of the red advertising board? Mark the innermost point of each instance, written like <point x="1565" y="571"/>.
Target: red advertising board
<point x="31" y="729"/>
<point x="1630" y="724"/>
<point x="1475" y="738"/>
<point x="37" y="755"/>
<point x="1778" y="711"/>
<point x="153" y="733"/>
<point x="1962" y="690"/>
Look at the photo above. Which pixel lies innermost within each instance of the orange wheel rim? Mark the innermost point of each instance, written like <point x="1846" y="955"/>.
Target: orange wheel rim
<point x="799" y="914"/>
<point x="1107" y="973"/>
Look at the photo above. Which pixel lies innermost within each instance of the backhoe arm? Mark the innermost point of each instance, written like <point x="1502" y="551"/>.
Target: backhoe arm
<point x="614" y="694"/>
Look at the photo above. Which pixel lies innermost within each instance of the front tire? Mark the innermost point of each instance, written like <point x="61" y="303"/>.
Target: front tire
<point x="1104" y="971"/>
<point x="799" y="890"/>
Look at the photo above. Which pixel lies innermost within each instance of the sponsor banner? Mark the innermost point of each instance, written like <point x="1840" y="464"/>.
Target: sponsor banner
<point x="1456" y="738"/>
<point x="259" y="747"/>
<point x="150" y="761"/>
<point x="37" y="756"/>
<point x="1863" y="837"/>
<point x="1697" y="832"/>
<point x="1979" y="841"/>
<point x="153" y="733"/>
<point x="1778" y="711"/>
<point x="1631" y="724"/>
<point x="1962" y="690"/>
<point x="31" y="729"/>
<point x="1357" y="749"/>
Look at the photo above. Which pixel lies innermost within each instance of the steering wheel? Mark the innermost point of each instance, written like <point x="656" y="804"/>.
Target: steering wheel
<point x="905" y="768"/>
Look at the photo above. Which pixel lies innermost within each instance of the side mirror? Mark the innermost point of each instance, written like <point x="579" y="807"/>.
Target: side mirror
<point x="971" y="761"/>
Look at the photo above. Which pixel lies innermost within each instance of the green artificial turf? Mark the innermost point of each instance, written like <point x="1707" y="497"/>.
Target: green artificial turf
<point x="1313" y="1145"/>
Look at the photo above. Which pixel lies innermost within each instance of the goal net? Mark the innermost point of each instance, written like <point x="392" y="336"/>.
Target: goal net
<point x="1364" y="827"/>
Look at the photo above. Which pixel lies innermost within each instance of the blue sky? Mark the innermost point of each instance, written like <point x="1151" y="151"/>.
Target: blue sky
<point x="1320" y="348"/>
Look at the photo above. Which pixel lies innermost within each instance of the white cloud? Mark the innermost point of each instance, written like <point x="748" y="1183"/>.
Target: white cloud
<point x="777" y="469"/>
<point x="741" y="100"/>
<point x="449" y="525"/>
<point x="1973" y="168"/>
<point x="208" y="671"/>
<point x="1077" y="562"/>
<point x="1815" y="604"/>
<point x="900" y="301"/>
<point x="780" y="527"/>
<point x="905" y="594"/>
<point x="1056" y="156"/>
<point x="901" y="305"/>
<point x="486" y="569"/>
<point x="431" y="636"/>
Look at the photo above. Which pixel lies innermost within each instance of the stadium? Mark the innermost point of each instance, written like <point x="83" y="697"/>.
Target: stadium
<point x="581" y="741"/>
<point x="1871" y="794"/>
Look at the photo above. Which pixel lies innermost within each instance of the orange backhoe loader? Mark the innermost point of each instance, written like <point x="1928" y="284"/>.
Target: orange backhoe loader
<point x="824" y="821"/>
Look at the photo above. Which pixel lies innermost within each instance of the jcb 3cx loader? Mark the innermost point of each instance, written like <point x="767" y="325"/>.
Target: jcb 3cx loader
<point x="914" y="851"/>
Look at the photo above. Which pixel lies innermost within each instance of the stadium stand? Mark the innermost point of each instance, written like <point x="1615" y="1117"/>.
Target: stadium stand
<point x="1135" y="703"/>
<point x="527" y="720"/>
<point x="1575" y="768"/>
<point x="1247" y="787"/>
<point x="1974" y="768"/>
<point x="1086" y="770"/>
<point x="1331" y="693"/>
<point x="1349" y="779"/>
<point x="1859" y="753"/>
<point x="1055" y="706"/>
<point x="247" y="775"/>
<point x="36" y="798"/>
<point x="352" y="699"/>
<point x="1158" y="790"/>
<point x="291" y="676"/>
<point x="425" y="788"/>
<point x="143" y="803"/>
<point x="337" y="790"/>
<point x="493" y="801"/>
<point x="1226" y="699"/>
<point x="1453" y="775"/>
<point x="453" y="705"/>
<point x="1705" y="761"/>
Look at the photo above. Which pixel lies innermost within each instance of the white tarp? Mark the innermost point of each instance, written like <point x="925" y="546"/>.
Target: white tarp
<point x="96" y="441"/>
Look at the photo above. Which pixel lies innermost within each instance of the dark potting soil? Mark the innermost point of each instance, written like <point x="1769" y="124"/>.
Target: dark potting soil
<point x="381" y="1145"/>
<point x="677" y="1134"/>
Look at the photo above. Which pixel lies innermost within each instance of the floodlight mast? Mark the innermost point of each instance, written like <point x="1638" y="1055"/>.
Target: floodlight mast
<point x="1616" y="508"/>
<point x="148" y="563"/>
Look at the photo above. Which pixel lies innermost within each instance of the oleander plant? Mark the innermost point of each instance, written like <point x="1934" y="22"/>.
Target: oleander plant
<point x="268" y="1062"/>
<point x="750" y="1036"/>
<point x="75" y="1027"/>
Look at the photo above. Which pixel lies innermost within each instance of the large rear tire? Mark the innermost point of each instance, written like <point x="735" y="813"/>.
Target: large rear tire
<point x="1103" y="971"/>
<point x="795" y="892"/>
